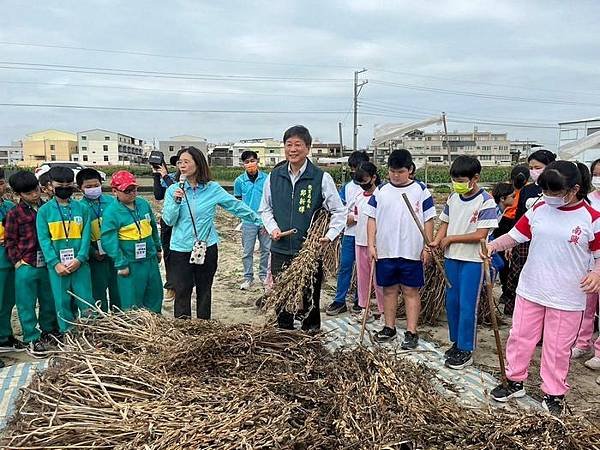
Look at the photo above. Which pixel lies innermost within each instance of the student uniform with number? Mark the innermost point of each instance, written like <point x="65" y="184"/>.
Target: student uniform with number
<point x="64" y="235"/>
<point x="130" y="237"/>
<point x="104" y="274"/>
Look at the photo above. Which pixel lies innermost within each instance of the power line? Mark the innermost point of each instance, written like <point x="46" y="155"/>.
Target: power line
<point x="168" y="110"/>
<point x="483" y="95"/>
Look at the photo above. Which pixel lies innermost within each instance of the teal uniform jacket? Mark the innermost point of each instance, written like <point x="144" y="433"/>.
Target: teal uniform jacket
<point x="96" y="210"/>
<point x="5" y="206"/>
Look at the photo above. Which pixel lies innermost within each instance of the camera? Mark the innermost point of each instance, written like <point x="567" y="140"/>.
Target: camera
<point x="156" y="159"/>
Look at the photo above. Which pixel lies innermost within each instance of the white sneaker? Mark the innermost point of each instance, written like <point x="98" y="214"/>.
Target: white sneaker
<point x="360" y="317"/>
<point x="593" y="363"/>
<point x="577" y="352"/>
<point x="247" y="284"/>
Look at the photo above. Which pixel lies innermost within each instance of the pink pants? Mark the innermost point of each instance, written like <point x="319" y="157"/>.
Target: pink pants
<point x="559" y="328"/>
<point x="586" y="332"/>
<point x="363" y="270"/>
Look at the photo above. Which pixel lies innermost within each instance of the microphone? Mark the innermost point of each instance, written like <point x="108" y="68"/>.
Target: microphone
<point x="182" y="179"/>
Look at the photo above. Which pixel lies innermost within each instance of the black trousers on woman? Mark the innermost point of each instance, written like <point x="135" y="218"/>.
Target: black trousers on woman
<point x="310" y="302"/>
<point x="184" y="276"/>
<point x="165" y="242"/>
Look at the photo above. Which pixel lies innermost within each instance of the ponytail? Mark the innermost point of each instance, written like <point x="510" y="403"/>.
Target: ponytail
<point x="585" y="186"/>
<point x="519" y="176"/>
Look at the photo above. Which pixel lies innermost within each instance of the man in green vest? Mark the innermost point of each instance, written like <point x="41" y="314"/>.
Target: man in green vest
<point x="292" y="193"/>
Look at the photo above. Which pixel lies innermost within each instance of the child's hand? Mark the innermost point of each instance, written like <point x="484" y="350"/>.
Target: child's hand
<point x="123" y="272"/>
<point x="490" y="250"/>
<point x="74" y="265"/>
<point x="61" y="269"/>
<point x="373" y="252"/>
<point x="445" y="242"/>
<point x="590" y="284"/>
<point x="426" y="255"/>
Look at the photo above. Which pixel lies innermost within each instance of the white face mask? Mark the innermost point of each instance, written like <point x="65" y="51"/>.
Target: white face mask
<point x="596" y="182"/>
<point x="535" y="174"/>
<point x="554" y="202"/>
<point x="93" y="193"/>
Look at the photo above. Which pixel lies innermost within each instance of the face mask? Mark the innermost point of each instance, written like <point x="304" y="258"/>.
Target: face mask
<point x="251" y="168"/>
<point x="596" y="182"/>
<point x="63" y="192"/>
<point x="461" y="187"/>
<point x="554" y="202"/>
<point x="535" y="174"/>
<point x="93" y="193"/>
<point x="366" y="187"/>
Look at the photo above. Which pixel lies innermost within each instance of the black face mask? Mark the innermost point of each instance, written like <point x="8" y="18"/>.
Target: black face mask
<point x="366" y="186"/>
<point x="63" y="192"/>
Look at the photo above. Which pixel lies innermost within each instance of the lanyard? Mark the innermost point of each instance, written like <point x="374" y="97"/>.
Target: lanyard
<point x="62" y="218"/>
<point x="97" y="212"/>
<point x="136" y="219"/>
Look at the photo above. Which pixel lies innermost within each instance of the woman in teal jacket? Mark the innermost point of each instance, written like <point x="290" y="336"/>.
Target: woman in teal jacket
<point x="198" y="198"/>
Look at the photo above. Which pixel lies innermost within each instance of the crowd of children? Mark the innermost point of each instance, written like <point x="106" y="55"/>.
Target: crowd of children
<point x="66" y="254"/>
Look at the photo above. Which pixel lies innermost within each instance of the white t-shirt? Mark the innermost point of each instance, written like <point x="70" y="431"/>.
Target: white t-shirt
<point x="562" y="241"/>
<point x="349" y="193"/>
<point x="360" y="204"/>
<point x="397" y="234"/>
<point x="466" y="215"/>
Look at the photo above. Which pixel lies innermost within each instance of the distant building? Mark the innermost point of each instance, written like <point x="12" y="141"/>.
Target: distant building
<point x="49" y="145"/>
<point x="221" y="155"/>
<point x="171" y="146"/>
<point x="324" y="154"/>
<point x="491" y="149"/>
<point x="576" y="129"/>
<point x="520" y="150"/>
<point x="104" y="147"/>
<point x="11" y="154"/>
<point x="269" y="151"/>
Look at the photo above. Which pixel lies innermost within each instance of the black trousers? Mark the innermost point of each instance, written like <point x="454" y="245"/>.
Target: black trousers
<point x="165" y="242"/>
<point x="185" y="276"/>
<point x="312" y="320"/>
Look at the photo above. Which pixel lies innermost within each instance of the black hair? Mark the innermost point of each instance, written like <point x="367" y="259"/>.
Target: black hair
<point x="299" y="131"/>
<point x="202" y="170"/>
<point x="23" y="181"/>
<point x="519" y="175"/>
<point x="44" y="179"/>
<point x="465" y="166"/>
<point x="1" y="173"/>
<point x="87" y="174"/>
<point x="248" y="154"/>
<point x="400" y="159"/>
<point x="413" y="168"/>
<point x="543" y="156"/>
<point x="564" y="175"/>
<point x="593" y="166"/>
<point x="357" y="157"/>
<point x="61" y="174"/>
<point x="502" y="190"/>
<point x="367" y="169"/>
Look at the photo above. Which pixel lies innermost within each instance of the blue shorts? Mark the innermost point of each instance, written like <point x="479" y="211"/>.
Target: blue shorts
<point x="407" y="272"/>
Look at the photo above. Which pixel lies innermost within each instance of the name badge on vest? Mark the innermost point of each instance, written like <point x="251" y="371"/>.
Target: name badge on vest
<point x="140" y="250"/>
<point x="100" y="249"/>
<point x="67" y="255"/>
<point x="39" y="259"/>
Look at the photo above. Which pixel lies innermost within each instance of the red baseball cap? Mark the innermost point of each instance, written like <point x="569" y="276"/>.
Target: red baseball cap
<point x="122" y="179"/>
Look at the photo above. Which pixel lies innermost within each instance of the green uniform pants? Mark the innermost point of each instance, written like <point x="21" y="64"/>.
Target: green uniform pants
<point x="34" y="287"/>
<point x="104" y="276"/>
<point x="142" y="288"/>
<point x="7" y="302"/>
<point x="67" y="307"/>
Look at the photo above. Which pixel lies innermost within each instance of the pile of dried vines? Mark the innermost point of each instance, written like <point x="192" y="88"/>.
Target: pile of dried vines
<point x="140" y="381"/>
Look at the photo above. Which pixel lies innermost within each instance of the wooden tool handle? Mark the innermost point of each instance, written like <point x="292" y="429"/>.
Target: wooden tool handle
<point x="288" y="232"/>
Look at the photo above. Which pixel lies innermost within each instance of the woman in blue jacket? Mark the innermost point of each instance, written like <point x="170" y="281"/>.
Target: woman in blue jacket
<point x="190" y="209"/>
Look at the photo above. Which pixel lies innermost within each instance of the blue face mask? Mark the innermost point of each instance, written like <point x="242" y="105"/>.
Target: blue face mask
<point x="93" y="193"/>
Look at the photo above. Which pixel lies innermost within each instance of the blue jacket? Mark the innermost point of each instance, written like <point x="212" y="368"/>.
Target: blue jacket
<point x="250" y="191"/>
<point x="203" y="201"/>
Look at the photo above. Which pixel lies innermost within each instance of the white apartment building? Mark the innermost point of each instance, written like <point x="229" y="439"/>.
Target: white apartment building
<point x="11" y="154"/>
<point x="576" y="129"/>
<point x="103" y="147"/>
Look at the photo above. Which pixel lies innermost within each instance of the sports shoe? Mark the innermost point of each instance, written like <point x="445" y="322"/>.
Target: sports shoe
<point x="513" y="389"/>
<point x="361" y="316"/>
<point x="451" y="351"/>
<point x="554" y="404"/>
<point x="356" y="309"/>
<point x="385" y="335"/>
<point x="247" y="284"/>
<point x="593" y="363"/>
<point x="37" y="349"/>
<point x="169" y="295"/>
<point x="411" y="340"/>
<point x="336" y="308"/>
<point x="577" y="352"/>
<point x="12" y="344"/>
<point x="459" y="360"/>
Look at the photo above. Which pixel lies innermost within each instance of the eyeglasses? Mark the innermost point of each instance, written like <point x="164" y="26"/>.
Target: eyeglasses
<point x="130" y="190"/>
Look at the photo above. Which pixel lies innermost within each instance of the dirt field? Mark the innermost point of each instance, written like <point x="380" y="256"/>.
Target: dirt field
<point x="232" y="305"/>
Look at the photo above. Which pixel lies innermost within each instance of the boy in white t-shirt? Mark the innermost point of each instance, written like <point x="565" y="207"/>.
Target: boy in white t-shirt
<point x="397" y="244"/>
<point x="468" y="217"/>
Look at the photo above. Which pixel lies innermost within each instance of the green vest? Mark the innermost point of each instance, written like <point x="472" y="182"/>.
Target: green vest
<point x="294" y="206"/>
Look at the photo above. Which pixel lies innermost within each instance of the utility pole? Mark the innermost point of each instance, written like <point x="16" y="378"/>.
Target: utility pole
<point x="446" y="138"/>
<point x="357" y="88"/>
<point x="341" y="141"/>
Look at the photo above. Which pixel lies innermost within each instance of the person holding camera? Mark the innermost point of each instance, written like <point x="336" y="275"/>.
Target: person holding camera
<point x="190" y="208"/>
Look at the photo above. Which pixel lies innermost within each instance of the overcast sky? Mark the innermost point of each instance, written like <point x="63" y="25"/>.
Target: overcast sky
<point x="527" y="63"/>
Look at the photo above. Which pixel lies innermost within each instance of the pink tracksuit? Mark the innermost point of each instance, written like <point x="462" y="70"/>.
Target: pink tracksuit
<point x="363" y="270"/>
<point x="550" y="302"/>
<point x="586" y="332"/>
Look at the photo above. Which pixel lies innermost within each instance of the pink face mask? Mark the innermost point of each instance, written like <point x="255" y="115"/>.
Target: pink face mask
<point x="535" y="174"/>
